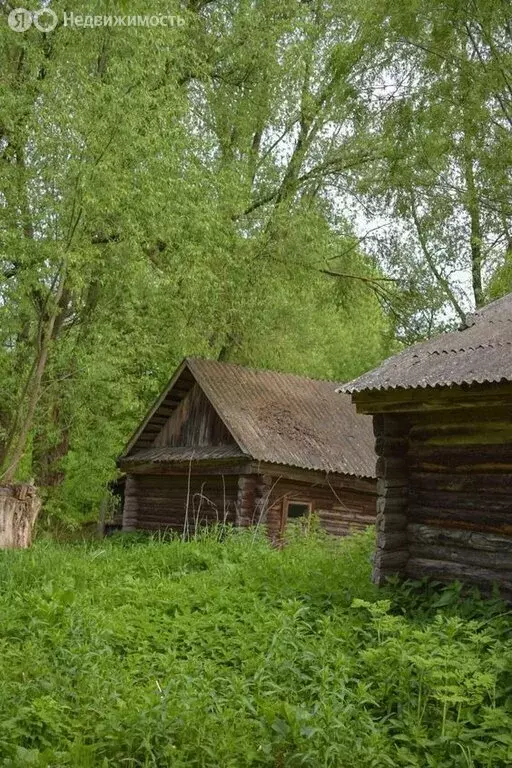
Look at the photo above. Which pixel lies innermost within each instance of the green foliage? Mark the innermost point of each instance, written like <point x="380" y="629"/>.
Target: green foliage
<point x="199" y="190"/>
<point x="149" y="653"/>
<point x="163" y="195"/>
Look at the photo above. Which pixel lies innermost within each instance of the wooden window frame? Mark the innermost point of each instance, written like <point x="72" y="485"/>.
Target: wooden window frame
<point x="284" y="514"/>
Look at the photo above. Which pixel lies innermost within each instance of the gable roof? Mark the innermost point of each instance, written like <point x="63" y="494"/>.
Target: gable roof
<point x="273" y="417"/>
<point x="479" y="352"/>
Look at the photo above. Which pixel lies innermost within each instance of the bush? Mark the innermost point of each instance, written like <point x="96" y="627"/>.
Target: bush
<point x="229" y="653"/>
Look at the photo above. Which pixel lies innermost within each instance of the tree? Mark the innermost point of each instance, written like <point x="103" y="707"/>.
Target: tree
<point x="163" y="194"/>
<point x="446" y="170"/>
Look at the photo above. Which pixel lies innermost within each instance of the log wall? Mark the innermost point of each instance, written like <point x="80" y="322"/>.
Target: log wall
<point x="179" y="503"/>
<point x="391" y="444"/>
<point x="341" y="510"/>
<point x="445" y="495"/>
<point x="158" y="502"/>
<point x="460" y="497"/>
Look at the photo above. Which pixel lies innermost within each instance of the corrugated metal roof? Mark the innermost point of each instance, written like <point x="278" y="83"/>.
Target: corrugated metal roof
<point x="277" y="418"/>
<point x="186" y="453"/>
<point x="480" y="352"/>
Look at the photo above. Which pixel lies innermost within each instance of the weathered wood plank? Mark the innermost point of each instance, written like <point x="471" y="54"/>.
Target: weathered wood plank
<point x="425" y="534"/>
<point x="397" y="402"/>
<point x="393" y="540"/>
<point x="482" y="483"/>
<point x="442" y="570"/>
<point x="391" y="522"/>
<point x="451" y="554"/>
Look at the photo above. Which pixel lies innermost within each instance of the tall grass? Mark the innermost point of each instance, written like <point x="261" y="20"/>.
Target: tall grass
<point x="211" y="653"/>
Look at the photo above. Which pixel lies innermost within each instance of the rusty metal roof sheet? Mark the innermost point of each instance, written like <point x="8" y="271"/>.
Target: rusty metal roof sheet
<point x="274" y="417"/>
<point x="479" y="352"/>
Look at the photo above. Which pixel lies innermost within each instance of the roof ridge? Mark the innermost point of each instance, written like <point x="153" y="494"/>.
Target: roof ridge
<point x="273" y="417"/>
<point x="198" y="358"/>
<point x="502" y="300"/>
<point x="474" y="353"/>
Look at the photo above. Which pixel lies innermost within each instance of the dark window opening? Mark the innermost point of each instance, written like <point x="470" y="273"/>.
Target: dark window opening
<point x="296" y="510"/>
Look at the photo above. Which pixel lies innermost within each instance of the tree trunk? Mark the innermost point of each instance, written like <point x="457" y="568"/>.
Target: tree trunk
<point x="19" y="508"/>
<point x="17" y="441"/>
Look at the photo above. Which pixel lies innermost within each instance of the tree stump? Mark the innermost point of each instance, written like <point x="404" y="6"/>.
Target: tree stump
<point x="19" y="508"/>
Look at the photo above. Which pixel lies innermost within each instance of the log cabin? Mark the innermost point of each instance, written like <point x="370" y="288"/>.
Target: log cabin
<point x="228" y="444"/>
<point x="442" y="414"/>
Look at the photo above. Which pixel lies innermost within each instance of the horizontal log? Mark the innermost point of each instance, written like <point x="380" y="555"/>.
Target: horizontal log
<point x="391" y="446"/>
<point x="392" y="541"/>
<point x="418" y="568"/>
<point x="177" y="511"/>
<point x="176" y="520"/>
<point x="393" y="559"/>
<point x="163" y="496"/>
<point x="391" y="468"/>
<point x="198" y="497"/>
<point x="460" y="454"/>
<point x="158" y="525"/>
<point x="347" y="514"/>
<point x="189" y="530"/>
<point x="463" y="500"/>
<point x="425" y="534"/>
<point x="332" y="516"/>
<point x="454" y="397"/>
<point x="389" y="426"/>
<point x="368" y="519"/>
<point x="162" y="492"/>
<point x="488" y="483"/>
<point x="502" y="529"/>
<point x="183" y="480"/>
<point x="456" y="468"/>
<point x="339" y="532"/>
<point x="481" y="558"/>
<point x="395" y="488"/>
<point x="323" y="496"/>
<point x="390" y="505"/>
<point x="391" y="522"/>
<point x="307" y="477"/>
<point x="176" y="514"/>
<point x="476" y="431"/>
<point x="479" y="412"/>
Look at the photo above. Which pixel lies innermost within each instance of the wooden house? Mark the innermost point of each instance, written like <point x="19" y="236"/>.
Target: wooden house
<point x="225" y="443"/>
<point x="442" y="414"/>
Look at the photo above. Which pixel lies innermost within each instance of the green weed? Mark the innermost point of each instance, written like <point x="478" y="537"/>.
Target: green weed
<point x="208" y="653"/>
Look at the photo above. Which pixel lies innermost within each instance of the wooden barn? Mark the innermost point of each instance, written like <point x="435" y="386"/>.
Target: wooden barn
<point x="224" y="443"/>
<point x="442" y="413"/>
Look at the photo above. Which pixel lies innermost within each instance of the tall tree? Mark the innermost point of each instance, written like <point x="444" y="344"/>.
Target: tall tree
<point x="167" y="191"/>
<point x="446" y="172"/>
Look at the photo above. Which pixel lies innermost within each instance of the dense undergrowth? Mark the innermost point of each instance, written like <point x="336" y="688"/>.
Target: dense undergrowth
<point x="228" y="653"/>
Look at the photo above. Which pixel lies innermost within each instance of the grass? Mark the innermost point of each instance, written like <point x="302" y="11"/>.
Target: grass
<point x="226" y="654"/>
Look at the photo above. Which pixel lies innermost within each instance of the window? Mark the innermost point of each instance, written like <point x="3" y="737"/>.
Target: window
<point x="298" y="509"/>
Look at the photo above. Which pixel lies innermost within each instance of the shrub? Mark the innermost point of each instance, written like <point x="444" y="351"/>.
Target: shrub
<point x="230" y="653"/>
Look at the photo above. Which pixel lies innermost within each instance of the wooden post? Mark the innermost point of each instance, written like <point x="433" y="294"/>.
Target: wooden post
<point x="130" y="509"/>
<point x="392" y="551"/>
<point x="246" y="501"/>
<point x="263" y="500"/>
<point x="19" y="508"/>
